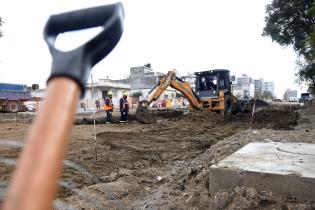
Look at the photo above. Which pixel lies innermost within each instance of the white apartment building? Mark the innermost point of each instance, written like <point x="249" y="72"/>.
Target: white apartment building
<point x="100" y="91"/>
<point x="243" y="87"/>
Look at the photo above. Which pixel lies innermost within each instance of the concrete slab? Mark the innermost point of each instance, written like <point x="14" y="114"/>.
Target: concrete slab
<point x="282" y="168"/>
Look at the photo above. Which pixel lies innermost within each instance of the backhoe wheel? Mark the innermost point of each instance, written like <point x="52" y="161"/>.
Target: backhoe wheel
<point x="13" y="106"/>
<point x="228" y="104"/>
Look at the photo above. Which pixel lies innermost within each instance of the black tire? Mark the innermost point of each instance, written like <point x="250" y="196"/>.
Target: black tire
<point x="13" y="106"/>
<point x="228" y="104"/>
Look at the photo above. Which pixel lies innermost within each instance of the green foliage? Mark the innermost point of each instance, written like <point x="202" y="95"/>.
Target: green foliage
<point x="137" y="94"/>
<point x="292" y="22"/>
<point x="267" y="95"/>
<point x="179" y="95"/>
<point x="311" y="90"/>
<point x="306" y="72"/>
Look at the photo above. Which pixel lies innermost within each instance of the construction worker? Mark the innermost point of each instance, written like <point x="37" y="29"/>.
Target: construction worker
<point x="109" y="107"/>
<point x="124" y="108"/>
<point x="97" y="104"/>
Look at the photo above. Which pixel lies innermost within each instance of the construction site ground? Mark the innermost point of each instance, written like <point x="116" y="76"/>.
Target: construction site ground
<point x="164" y="165"/>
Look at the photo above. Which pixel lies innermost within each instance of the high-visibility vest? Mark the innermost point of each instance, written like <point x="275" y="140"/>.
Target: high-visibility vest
<point x="109" y="106"/>
<point x="125" y="102"/>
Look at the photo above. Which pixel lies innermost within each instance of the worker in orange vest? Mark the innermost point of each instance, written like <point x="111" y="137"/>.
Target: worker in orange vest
<point x="124" y="108"/>
<point x="109" y="107"/>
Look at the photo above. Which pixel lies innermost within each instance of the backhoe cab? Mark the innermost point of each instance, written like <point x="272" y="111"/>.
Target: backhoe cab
<point x="213" y="87"/>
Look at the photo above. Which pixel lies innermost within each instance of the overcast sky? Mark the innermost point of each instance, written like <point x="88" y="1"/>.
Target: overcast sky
<point x="183" y="34"/>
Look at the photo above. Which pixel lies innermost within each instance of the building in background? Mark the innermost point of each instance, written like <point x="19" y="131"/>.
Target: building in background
<point x="100" y="91"/>
<point x="269" y="86"/>
<point x="191" y="79"/>
<point x="143" y="79"/>
<point x="243" y="87"/>
<point x="290" y="95"/>
<point x="259" y="86"/>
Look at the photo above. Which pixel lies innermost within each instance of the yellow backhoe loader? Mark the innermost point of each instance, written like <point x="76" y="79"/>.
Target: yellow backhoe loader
<point x="213" y="92"/>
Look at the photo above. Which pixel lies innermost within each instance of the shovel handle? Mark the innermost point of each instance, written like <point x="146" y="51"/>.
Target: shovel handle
<point x="34" y="183"/>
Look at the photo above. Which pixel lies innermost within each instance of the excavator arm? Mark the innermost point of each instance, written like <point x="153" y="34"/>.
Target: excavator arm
<point x="188" y="92"/>
<point x="162" y="85"/>
<point x="171" y="80"/>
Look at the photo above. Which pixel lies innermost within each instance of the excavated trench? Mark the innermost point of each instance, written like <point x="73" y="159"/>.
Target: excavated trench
<point x="176" y="136"/>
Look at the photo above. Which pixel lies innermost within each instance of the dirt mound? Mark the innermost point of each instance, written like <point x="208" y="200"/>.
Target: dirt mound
<point x="21" y="117"/>
<point x="202" y="117"/>
<point x="113" y="195"/>
<point x="266" y="118"/>
<point x="100" y="118"/>
<point x="167" y="114"/>
<point x="144" y="116"/>
<point x="164" y="165"/>
<point x="258" y="102"/>
<point x="276" y="119"/>
<point x="249" y="198"/>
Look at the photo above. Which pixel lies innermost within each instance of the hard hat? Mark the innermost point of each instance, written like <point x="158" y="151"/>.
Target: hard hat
<point x="110" y="93"/>
<point x="125" y="94"/>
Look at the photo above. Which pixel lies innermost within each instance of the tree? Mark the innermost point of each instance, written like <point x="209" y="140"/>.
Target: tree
<point x="179" y="95"/>
<point x="135" y="97"/>
<point x="292" y="22"/>
<point x="286" y="95"/>
<point x="137" y="94"/>
<point x="267" y="95"/>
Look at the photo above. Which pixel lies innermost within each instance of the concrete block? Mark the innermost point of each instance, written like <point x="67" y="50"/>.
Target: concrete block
<point x="282" y="168"/>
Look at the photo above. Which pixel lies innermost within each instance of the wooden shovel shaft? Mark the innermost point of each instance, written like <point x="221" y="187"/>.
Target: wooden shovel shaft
<point x="34" y="183"/>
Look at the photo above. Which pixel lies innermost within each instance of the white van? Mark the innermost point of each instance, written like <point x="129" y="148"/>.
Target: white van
<point x="293" y="99"/>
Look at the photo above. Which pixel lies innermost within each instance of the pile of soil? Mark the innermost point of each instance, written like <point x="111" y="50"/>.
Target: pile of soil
<point x="267" y="118"/>
<point x="249" y="198"/>
<point x="164" y="165"/>
<point x="258" y="102"/>
<point x="167" y="114"/>
<point x="202" y="117"/>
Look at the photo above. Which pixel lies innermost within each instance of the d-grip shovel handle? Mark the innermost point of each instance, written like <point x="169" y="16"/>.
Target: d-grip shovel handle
<point x="76" y="64"/>
<point x="38" y="170"/>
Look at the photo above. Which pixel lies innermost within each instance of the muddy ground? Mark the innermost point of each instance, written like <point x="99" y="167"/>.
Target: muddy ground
<point x="163" y="165"/>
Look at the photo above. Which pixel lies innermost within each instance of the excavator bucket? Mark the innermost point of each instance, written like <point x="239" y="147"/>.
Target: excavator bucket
<point x="143" y="114"/>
